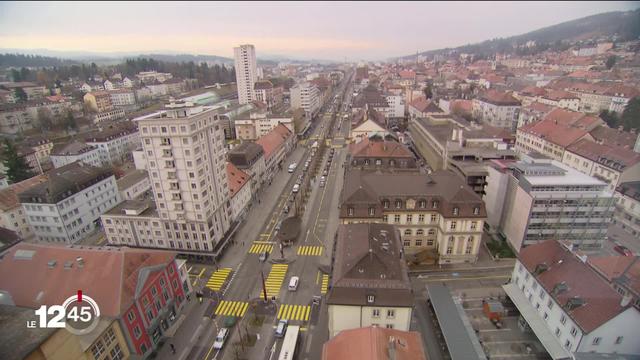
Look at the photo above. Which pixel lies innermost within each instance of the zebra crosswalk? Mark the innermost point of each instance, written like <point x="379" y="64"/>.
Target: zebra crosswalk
<point x="325" y="284"/>
<point x="294" y="312"/>
<point x="232" y="308"/>
<point x="260" y="247"/>
<point x="310" y="250"/>
<point x="275" y="279"/>
<point x="218" y="278"/>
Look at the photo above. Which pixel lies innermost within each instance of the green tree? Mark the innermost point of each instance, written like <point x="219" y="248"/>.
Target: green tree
<point x="611" y="60"/>
<point x="610" y="117"/>
<point x="630" y="118"/>
<point x="70" y="120"/>
<point x="21" y="95"/>
<point x="427" y="92"/>
<point x="44" y="118"/>
<point x="17" y="167"/>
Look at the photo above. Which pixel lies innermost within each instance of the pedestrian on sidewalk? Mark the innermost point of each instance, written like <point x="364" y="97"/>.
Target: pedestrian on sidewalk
<point x="173" y="348"/>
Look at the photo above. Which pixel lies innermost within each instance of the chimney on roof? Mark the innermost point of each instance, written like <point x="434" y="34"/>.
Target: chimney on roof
<point x="80" y="262"/>
<point x="51" y="264"/>
<point x="626" y="299"/>
<point x="392" y="348"/>
<point x="620" y="128"/>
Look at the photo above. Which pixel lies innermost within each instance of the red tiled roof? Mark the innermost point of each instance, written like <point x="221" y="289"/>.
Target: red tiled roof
<point x="594" y="151"/>
<point x="554" y="132"/>
<point x="573" y="118"/>
<point x="615" y="137"/>
<point x="372" y="343"/>
<point x="407" y="74"/>
<point x="613" y="267"/>
<point x="499" y="98"/>
<point x="557" y="95"/>
<point x="464" y="106"/>
<point x="9" y="196"/>
<point x="236" y="178"/>
<point x="110" y="276"/>
<point x="533" y="91"/>
<point x="369" y="148"/>
<point x="424" y="105"/>
<point x="273" y="139"/>
<point x="540" y="107"/>
<point x="601" y="302"/>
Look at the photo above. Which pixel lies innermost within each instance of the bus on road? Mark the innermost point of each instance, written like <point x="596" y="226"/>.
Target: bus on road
<point x="288" y="349"/>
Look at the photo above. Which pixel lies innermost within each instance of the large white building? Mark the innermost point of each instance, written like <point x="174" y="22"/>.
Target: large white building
<point x="260" y="123"/>
<point x="538" y="199"/>
<point x="185" y="154"/>
<point x="369" y="281"/>
<point x="246" y="73"/>
<point x="305" y="96"/>
<point x="64" y="154"/>
<point x="115" y="145"/>
<point x="67" y="207"/>
<point x="497" y="109"/>
<point x="627" y="213"/>
<point x="569" y="306"/>
<point x="12" y="214"/>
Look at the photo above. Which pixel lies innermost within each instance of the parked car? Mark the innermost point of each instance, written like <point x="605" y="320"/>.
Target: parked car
<point x="221" y="338"/>
<point x="296" y="188"/>
<point x="263" y="256"/>
<point x="281" y="329"/>
<point x="623" y="250"/>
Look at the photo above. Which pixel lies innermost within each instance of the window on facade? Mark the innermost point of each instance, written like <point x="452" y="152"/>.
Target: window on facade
<point x="596" y="341"/>
<point x="406" y="243"/>
<point x="545" y="316"/>
<point x="476" y="210"/>
<point x="408" y="232"/>
<point x="396" y="218"/>
<point x="136" y="332"/>
<point x="409" y="218"/>
<point x="574" y="331"/>
<point x="371" y="298"/>
<point x="97" y="349"/>
<point x="563" y="319"/>
<point x="422" y="204"/>
<point x="391" y="313"/>
<point x="434" y="204"/>
<point x="619" y="340"/>
<point x="557" y="332"/>
<point x="375" y="313"/>
<point x="474" y="225"/>
<point x="421" y="218"/>
<point x="550" y="304"/>
<point x="431" y="232"/>
<point x="385" y="204"/>
<point x="385" y="218"/>
<point x="454" y="224"/>
<point x="372" y="211"/>
<point x="420" y="232"/>
<point x="116" y="353"/>
<point x="109" y="337"/>
<point x="456" y="211"/>
<point x="350" y="211"/>
<point x="567" y="344"/>
<point x="389" y="326"/>
<point x="434" y="218"/>
<point x="398" y="204"/>
<point x="419" y="242"/>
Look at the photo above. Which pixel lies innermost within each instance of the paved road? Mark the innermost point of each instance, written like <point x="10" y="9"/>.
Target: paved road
<point x="240" y="287"/>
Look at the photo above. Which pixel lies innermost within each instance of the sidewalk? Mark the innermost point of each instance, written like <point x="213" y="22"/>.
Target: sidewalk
<point x="189" y="328"/>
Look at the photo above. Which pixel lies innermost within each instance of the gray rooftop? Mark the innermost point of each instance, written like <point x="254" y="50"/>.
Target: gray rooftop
<point x="18" y="341"/>
<point x="460" y="343"/>
<point x="131" y="179"/>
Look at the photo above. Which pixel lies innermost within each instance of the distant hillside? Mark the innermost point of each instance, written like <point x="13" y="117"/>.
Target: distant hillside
<point x="21" y="60"/>
<point x="187" y="57"/>
<point x="626" y="25"/>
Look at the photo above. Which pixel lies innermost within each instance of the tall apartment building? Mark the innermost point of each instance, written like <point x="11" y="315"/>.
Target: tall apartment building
<point x="246" y="73"/>
<point x="497" y="109"/>
<point x="66" y="207"/>
<point x="538" y="199"/>
<point x="305" y="96"/>
<point x="627" y="213"/>
<point x="185" y="154"/>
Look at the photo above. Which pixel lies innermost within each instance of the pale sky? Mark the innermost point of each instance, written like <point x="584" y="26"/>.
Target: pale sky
<point x="321" y="30"/>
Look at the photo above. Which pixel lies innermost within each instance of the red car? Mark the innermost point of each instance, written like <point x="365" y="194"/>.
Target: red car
<point x="623" y="250"/>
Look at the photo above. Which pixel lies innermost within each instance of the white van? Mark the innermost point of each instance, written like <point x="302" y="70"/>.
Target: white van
<point x="292" y="167"/>
<point x="293" y="283"/>
<point x="221" y="338"/>
<point x="296" y="187"/>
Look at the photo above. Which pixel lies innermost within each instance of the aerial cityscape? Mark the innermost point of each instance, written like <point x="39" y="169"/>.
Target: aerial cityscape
<point x="320" y="180"/>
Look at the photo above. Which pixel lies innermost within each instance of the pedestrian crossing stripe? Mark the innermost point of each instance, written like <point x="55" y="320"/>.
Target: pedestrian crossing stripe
<point x="218" y="278"/>
<point x="257" y="248"/>
<point x="325" y="284"/>
<point x="310" y="250"/>
<point x="232" y="308"/>
<point x="294" y="312"/>
<point x="275" y="279"/>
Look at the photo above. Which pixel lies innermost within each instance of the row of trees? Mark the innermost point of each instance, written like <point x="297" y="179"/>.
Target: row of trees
<point x="206" y="75"/>
<point x="22" y="60"/>
<point x="53" y="76"/>
<point x="630" y="118"/>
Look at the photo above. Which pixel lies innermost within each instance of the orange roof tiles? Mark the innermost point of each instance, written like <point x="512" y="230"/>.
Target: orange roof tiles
<point x="110" y="276"/>
<point x="9" y="196"/>
<point x="554" y="132"/>
<point x="369" y="148"/>
<point x="613" y="267"/>
<point x="602" y="303"/>
<point x="273" y="139"/>
<point x="236" y="178"/>
<point x="374" y="343"/>
<point x="594" y="151"/>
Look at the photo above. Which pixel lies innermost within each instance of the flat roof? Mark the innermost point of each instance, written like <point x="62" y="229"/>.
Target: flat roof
<point x="461" y="342"/>
<point x="131" y="179"/>
<point x="570" y="177"/>
<point x="544" y="335"/>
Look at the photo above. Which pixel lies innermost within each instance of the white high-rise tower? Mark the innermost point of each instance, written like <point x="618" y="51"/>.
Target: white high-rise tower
<point x="246" y="72"/>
